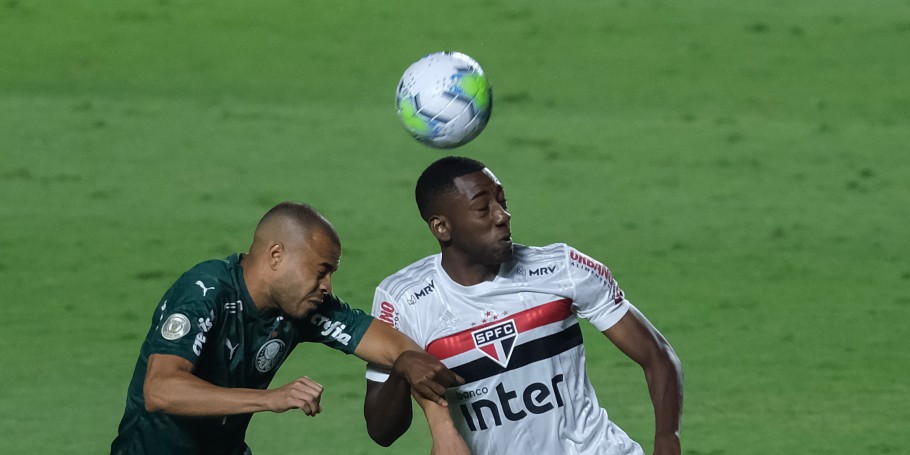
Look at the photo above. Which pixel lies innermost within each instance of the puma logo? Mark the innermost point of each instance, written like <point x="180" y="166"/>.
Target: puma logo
<point x="232" y="348"/>
<point x="204" y="289"/>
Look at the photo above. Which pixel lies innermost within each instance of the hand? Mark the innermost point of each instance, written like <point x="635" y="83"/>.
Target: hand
<point x="303" y="394"/>
<point x="428" y="377"/>
<point x="667" y="445"/>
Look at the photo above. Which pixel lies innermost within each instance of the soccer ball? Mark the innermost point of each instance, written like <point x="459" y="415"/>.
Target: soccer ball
<point x="444" y="99"/>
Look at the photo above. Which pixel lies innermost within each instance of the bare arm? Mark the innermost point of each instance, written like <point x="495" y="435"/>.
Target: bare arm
<point x="387" y="405"/>
<point x="637" y="338"/>
<point x="382" y="344"/>
<point x="388" y="414"/>
<point x="428" y="377"/>
<point x="387" y="410"/>
<point x="171" y="387"/>
<point x="446" y="440"/>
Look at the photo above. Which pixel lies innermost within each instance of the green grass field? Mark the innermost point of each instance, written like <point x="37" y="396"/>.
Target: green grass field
<point x="741" y="166"/>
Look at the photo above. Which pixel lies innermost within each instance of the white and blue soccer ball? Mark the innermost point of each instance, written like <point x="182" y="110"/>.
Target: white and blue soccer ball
<point x="444" y="99"/>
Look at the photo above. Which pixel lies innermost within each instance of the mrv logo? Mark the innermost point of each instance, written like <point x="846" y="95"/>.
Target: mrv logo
<point x="425" y="291"/>
<point x="536" y="398"/>
<point x="496" y="341"/>
<point x="546" y="270"/>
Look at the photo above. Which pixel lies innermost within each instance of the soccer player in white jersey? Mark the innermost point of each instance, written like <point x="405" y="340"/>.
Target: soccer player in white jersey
<point x="505" y="317"/>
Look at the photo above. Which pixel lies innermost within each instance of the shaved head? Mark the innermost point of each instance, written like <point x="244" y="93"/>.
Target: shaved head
<point x="291" y="223"/>
<point x="289" y="267"/>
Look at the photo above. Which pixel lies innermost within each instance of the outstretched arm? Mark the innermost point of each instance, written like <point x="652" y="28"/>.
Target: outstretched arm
<point x="171" y="387"/>
<point x="427" y="376"/>
<point x="446" y="440"/>
<point x="637" y="338"/>
<point x="387" y="410"/>
<point x="387" y="405"/>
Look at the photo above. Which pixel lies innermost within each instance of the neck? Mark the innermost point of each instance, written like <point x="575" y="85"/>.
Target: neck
<point x="465" y="272"/>
<point x="255" y="285"/>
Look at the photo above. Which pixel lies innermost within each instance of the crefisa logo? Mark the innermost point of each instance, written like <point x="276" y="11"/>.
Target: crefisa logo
<point x="496" y="341"/>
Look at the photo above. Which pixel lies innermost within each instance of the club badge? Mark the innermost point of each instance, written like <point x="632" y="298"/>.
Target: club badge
<point x="269" y="355"/>
<point x="496" y="341"/>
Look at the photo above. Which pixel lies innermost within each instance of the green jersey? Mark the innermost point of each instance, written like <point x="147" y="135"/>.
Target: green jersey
<point x="208" y="318"/>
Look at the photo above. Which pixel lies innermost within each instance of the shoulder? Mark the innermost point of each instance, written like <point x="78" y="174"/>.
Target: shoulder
<point x="582" y="260"/>
<point x="555" y="252"/>
<point x="528" y="257"/>
<point x="412" y="275"/>
<point x="534" y="253"/>
<point x="554" y="260"/>
<point x="213" y="268"/>
<point x="207" y="282"/>
<point x="219" y="269"/>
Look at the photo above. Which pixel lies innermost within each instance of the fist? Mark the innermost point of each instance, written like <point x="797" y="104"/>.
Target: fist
<point x="303" y="393"/>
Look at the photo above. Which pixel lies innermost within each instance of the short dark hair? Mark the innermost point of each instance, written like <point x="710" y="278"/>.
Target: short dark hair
<point x="439" y="178"/>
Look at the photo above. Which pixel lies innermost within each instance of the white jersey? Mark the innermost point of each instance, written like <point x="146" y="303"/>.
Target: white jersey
<point x="517" y="343"/>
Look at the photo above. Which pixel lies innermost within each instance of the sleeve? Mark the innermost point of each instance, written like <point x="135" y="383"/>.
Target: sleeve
<point x="387" y="310"/>
<point x="597" y="296"/>
<point x="182" y="325"/>
<point x="335" y="324"/>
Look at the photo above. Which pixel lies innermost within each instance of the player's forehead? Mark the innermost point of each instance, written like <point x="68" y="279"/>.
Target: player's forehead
<point x="476" y="184"/>
<point x="321" y="249"/>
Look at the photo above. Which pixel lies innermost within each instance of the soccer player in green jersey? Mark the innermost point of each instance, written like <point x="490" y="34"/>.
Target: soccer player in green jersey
<point x="223" y="329"/>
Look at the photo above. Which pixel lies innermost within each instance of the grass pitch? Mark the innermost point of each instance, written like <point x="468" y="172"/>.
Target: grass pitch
<point x="742" y="168"/>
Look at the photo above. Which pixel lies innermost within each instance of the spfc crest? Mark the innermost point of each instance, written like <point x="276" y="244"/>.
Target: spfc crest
<point x="496" y="341"/>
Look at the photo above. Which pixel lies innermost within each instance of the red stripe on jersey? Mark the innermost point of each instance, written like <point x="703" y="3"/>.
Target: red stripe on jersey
<point x="529" y="319"/>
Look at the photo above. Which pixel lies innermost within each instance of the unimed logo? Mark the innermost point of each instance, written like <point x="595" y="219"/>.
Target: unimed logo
<point x="536" y="398"/>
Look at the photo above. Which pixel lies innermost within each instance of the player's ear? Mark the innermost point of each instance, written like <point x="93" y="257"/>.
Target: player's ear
<point x="439" y="226"/>
<point x="276" y="255"/>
